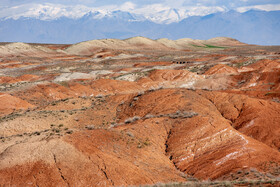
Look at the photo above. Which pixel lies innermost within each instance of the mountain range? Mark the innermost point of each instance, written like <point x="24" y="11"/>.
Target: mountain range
<point x="253" y="27"/>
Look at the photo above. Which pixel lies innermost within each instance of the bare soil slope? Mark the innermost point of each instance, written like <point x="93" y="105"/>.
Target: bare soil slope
<point x="139" y="112"/>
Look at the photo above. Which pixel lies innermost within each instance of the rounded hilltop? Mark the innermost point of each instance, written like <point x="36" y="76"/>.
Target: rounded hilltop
<point x="134" y="43"/>
<point x="21" y="48"/>
<point x="140" y="42"/>
<point x="224" y="41"/>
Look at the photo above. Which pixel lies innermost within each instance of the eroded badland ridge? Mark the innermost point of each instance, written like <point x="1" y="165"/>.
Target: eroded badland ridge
<point x="139" y="112"/>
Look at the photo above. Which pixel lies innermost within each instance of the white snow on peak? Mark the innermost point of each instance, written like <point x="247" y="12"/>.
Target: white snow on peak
<point x="157" y="13"/>
<point x="44" y="11"/>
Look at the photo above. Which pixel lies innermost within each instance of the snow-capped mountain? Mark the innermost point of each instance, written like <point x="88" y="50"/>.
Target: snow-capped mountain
<point x="167" y="16"/>
<point x="70" y="24"/>
<point x="155" y="13"/>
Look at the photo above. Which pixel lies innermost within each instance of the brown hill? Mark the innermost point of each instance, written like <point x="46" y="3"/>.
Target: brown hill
<point x="91" y="47"/>
<point x="140" y="112"/>
<point x="10" y="104"/>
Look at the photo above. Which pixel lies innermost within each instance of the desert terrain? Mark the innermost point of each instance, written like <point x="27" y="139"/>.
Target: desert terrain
<point x="140" y="112"/>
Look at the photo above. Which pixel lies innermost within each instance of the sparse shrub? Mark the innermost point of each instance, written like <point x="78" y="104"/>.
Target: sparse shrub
<point x="189" y="114"/>
<point x="140" y="93"/>
<point x="64" y="83"/>
<point x="37" y="133"/>
<point x="270" y="182"/>
<point x="113" y="124"/>
<point x="147" y="142"/>
<point x="56" y="130"/>
<point x="131" y="120"/>
<point x="148" y="116"/>
<point x="143" y="144"/>
<point x="69" y="132"/>
<point x="66" y="99"/>
<point x="155" y="88"/>
<point x="139" y="145"/>
<point x="130" y="134"/>
<point x="227" y="183"/>
<point x="183" y="114"/>
<point x="206" y="89"/>
<point x="194" y="69"/>
<point x="99" y="96"/>
<point x="241" y="82"/>
<point x="246" y="63"/>
<point x="90" y="127"/>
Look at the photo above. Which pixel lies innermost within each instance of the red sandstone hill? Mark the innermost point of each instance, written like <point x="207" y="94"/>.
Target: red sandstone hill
<point x="122" y="113"/>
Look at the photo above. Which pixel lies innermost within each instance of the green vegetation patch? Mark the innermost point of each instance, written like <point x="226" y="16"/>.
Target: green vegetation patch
<point x="213" y="46"/>
<point x="206" y="46"/>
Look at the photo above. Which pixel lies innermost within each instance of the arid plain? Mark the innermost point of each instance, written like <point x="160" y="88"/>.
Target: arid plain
<point x="140" y="112"/>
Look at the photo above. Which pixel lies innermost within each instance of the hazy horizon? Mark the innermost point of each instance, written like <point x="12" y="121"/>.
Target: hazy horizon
<point x="68" y="21"/>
